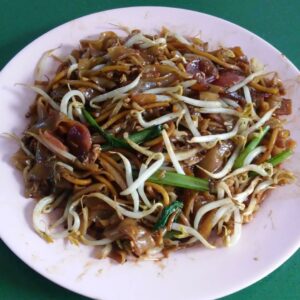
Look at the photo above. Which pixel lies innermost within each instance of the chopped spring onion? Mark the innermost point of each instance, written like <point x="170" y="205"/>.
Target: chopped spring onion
<point x="161" y="120"/>
<point x="138" y="137"/>
<point x="198" y="103"/>
<point x="111" y="139"/>
<point x="115" y="92"/>
<point x="250" y="147"/>
<point x="179" y="180"/>
<point x="186" y="229"/>
<point x="280" y="157"/>
<point x="145" y="175"/>
<point x="253" y="154"/>
<point x="175" y="206"/>
<point x="218" y="137"/>
<point x="246" y="81"/>
<point x="146" y="134"/>
<point x="171" y="153"/>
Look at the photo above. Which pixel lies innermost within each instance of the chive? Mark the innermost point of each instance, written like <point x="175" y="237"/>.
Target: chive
<point x="250" y="147"/>
<point x="146" y="134"/>
<point x="114" y="142"/>
<point x="140" y="136"/>
<point x="280" y="157"/>
<point x="180" y="180"/>
<point x="175" y="206"/>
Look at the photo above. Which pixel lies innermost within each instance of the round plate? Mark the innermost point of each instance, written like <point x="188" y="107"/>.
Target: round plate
<point x="197" y="273"/>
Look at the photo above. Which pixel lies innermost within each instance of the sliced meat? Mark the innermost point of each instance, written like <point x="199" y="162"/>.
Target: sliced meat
<point x="228" y="78"/>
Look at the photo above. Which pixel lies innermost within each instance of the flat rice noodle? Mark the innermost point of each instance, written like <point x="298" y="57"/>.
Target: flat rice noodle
<point x="140" y="238"/>
<point x="214" y="158"/>
<point x="118" y="53"/>
<point x="206" y="225"/>
<point x="51" y="123"/>
<point x="40" y="180"/>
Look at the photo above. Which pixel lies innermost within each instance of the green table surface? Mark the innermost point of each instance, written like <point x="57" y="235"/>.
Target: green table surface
<point x="22" y="21"/>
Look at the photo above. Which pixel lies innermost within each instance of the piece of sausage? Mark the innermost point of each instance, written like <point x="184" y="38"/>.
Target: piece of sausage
<point x="203" y="70"/>
<point x="79" y="140"/>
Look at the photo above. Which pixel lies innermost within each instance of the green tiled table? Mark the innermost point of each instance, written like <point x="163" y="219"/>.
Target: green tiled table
<point x="21" y="21"/>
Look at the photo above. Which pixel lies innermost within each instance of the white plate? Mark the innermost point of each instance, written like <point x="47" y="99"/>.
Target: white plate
<point x="266" y="243"/>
